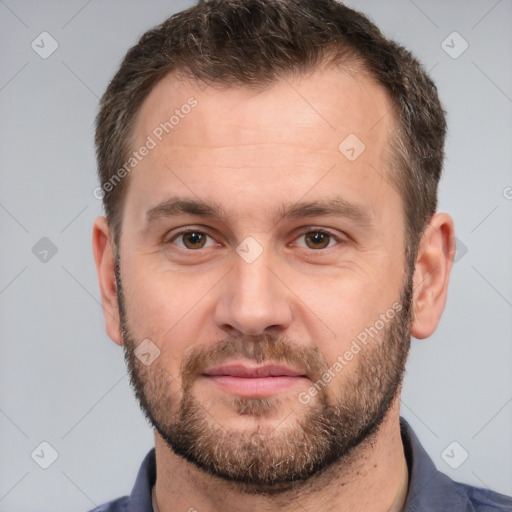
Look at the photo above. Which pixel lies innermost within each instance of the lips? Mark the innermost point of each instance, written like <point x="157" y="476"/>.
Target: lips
<point x="247" y="381"/>
<point x="238" y="370"/>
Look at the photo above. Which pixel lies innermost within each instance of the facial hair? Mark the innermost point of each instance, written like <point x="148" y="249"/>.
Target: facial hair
<point x="343" y="414"/>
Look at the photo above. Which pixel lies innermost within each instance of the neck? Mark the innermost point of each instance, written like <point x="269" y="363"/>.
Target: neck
<point x="373" y="478"/>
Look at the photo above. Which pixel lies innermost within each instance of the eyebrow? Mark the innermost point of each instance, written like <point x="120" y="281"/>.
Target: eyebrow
<point x="334" y="206"/>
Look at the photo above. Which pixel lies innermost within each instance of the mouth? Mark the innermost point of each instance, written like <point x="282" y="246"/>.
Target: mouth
<point x="250" y="381"/>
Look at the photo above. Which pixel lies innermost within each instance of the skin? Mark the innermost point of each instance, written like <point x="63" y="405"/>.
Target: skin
<point x="250" y="151"/>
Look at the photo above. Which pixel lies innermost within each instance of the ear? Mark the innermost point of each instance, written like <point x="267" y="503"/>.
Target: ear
<point x="434" y="261"/>
<point x="104" y="258"/>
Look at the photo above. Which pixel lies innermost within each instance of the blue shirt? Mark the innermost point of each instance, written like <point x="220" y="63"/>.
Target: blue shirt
<point x="429" y="489"/>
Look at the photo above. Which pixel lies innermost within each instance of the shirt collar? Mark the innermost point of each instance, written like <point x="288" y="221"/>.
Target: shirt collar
<point x="429" y="489"/>
<point x="140" y="497"/>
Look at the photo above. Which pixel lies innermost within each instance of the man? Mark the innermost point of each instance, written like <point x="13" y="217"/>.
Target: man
<point x="271" y="243"/>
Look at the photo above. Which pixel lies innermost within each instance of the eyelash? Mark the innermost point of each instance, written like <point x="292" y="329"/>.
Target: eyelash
<point x="305" y="232"/>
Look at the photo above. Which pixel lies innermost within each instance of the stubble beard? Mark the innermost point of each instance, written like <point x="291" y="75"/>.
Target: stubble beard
<point x="277" y="460"/>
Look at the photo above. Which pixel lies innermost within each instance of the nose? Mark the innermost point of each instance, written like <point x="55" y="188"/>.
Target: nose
<point x="253" y="299"/>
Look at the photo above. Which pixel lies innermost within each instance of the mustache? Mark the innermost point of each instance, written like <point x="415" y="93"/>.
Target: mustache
<point x="260" y="349"/>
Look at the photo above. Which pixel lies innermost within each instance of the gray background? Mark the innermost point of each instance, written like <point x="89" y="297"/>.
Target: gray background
<point x="63" y="381"/>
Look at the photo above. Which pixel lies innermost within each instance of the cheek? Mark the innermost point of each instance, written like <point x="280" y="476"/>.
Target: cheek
<point x="344" y="312"/>
<point x="160" y="298"/>
<point x="163" y="308"/>
<point x="345" y="306"/>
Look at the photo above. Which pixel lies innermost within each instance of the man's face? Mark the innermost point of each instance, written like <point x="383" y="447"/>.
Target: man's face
<point x="251" y="311"/>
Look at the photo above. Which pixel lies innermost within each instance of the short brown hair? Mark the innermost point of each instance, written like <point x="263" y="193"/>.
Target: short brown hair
<point x="255" y="42"/>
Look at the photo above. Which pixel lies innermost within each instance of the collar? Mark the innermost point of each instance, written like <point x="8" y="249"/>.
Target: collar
<point x="429" y="489"/>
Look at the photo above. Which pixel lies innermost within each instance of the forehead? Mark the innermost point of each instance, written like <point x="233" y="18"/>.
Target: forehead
<point x="322" y="106"/>
<point x="277" y="140"/>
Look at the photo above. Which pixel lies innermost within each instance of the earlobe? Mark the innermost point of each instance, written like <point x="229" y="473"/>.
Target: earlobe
<point x="432" y="271"/>
<point x="105" y="267"/>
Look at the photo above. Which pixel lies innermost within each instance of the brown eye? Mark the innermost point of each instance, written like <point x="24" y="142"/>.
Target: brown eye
<point x="317" y="239"/>
<point x="192" y="239"/>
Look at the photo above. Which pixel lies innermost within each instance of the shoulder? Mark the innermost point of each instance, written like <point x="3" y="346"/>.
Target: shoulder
<point x="117" y="505"/>
<point x="484" y="500"/>
<point x="431" y="490"/>
<point x="140" y="498"/>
